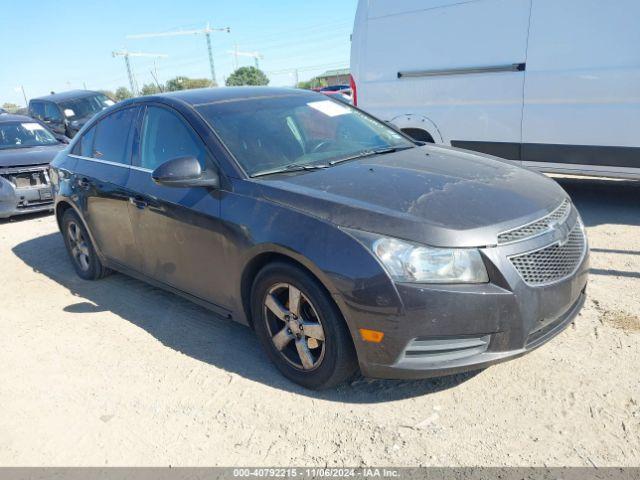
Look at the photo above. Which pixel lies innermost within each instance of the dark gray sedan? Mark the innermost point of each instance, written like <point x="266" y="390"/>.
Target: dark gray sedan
<point x="340" y="241"/>
<point x="26" y="148"/>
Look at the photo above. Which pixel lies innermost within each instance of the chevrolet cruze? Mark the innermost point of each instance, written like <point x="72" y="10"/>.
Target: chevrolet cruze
<point x="344" y="244"/>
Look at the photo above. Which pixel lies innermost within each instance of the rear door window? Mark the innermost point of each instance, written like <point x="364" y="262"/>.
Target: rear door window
<point x="112" y="137"/>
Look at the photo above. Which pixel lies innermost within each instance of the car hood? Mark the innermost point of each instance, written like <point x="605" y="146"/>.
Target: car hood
<point x="434" y="195"/>
<point x="18" y="157"/>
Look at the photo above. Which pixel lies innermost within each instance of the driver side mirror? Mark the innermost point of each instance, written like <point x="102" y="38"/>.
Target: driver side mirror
<point x="185" y="172"/>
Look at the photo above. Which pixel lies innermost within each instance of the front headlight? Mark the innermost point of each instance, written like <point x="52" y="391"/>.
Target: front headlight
<point x="410" y="262"/>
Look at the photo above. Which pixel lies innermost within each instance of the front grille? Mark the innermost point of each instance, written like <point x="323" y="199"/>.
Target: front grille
<point x="552" y="263"/>
<point x="28" y="178"/>
<point x="538" y="227"/>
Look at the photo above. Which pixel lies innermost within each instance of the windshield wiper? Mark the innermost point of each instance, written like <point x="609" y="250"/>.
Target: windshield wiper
<point x="369" y="153"/>
<point x="290" y="168"/>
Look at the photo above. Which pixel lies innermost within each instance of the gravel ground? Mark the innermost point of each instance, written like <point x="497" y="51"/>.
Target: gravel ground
<point x="119" y="373"/>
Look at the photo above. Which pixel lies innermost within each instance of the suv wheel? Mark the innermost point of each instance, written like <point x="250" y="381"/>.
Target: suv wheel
<point x="300" y="327"/>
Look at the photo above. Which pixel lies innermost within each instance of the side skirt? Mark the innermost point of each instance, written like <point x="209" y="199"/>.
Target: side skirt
<point x="217" y="309"/>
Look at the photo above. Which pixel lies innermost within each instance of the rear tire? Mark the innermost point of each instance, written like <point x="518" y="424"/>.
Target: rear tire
<point x="318" y="355"/>
<point x="80" y="248"/>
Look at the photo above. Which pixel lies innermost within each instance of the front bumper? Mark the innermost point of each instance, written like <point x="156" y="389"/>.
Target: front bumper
<point x="436" y="362"/>
<point x="16" y="200"/>
<point x="447" y="329"/>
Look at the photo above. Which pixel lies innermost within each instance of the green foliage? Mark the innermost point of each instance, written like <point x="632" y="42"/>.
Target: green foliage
<point x="313" y="83"/>
<point x="10" y="107"/>
<point x="186" y="83"/>
<point x="150" y="89"/>
<point x="247" y="76"/>
<point x="122" y="93"/>
<point x="108" y="93"/>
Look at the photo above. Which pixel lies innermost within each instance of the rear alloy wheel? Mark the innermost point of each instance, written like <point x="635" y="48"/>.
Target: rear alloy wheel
<point x="83" y="256"/>
<point x="79" y="247"/>
<point x="301" y="328"/>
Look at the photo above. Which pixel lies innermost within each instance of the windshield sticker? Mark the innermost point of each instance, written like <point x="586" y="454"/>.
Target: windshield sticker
<point x="69" y="113"/>
<point x="32" y="127"/>
<point x="109" y="102"/>
<point x="329" y="108"/>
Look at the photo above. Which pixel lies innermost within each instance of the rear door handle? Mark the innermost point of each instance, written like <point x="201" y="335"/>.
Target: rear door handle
<point x="138" y="202"/>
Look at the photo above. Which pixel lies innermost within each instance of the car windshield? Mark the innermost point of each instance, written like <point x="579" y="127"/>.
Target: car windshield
<point x="24" y="134"/>
<point x="294" y="131"/>
<point x="85" y="106"/>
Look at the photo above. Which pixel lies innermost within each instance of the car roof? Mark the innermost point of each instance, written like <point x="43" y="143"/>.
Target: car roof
<point x="11" y="118"/>
<point x="200" y="96"/>
<point x="62" y="96"/>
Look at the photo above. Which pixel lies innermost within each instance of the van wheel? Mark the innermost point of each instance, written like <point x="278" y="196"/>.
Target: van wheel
<point x="418" y="134"/>
<point x="300" y="327"/>
<point x="80" y="249"/>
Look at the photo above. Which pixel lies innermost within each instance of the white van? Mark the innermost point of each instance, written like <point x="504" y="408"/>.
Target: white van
<point x="554" y="84"/>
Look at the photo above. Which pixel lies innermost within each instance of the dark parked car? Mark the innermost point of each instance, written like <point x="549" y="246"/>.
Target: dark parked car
<point x="339" y="240"/>
<point x="26" y="148"/>
<point x="66" y="112"/>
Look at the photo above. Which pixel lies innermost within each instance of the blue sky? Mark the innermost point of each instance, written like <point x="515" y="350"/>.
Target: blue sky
<point x="64" y="44"/>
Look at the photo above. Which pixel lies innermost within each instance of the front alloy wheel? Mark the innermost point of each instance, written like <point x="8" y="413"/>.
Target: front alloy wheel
<point x="294" y="326"/>
<point x="300" y="327"/>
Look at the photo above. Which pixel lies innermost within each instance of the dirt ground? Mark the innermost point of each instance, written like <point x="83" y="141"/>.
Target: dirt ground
<point x="119" y="373"/>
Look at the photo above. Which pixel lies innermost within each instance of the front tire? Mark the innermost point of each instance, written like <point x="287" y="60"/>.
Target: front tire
<point x="80" y="249"/>
<point x="301" y="328"/>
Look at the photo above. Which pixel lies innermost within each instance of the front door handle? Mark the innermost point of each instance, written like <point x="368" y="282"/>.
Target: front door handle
<point x="138" y="202"/>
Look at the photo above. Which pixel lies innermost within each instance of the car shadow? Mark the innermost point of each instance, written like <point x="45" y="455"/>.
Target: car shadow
<point x="197" y="332"/>
<point x="604" y="201"/>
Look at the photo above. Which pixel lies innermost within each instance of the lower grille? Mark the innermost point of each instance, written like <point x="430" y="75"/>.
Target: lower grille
<point x="552" y="263"/>
<point x="445" y="349"/>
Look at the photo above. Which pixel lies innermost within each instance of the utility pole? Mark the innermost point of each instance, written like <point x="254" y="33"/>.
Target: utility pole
<point x="207" y="31"/>
<point x="21" y="88"/>
<point x="126" y="54"/>
<point x="207" y="35"/>
<point x="257" y="56"/>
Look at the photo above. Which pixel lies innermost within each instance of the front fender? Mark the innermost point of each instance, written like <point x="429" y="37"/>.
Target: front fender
<point x="347" y="270"/>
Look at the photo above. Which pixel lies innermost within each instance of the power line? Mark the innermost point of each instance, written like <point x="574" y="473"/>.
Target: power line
<point x="207" y="31"/>
<point x="126" y="55"/>
<point x="257" y="56"/>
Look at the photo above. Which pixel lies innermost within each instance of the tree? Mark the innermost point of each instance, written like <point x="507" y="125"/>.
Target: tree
<point x="313" y="83"/>
<point x="150" y="89"/>
<point x="108" y="93"/>
<point x="122" y="93"/>
<point x="10" y="107"/>
<point x="247" y="76"/>
<point x="186" y="83"/>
